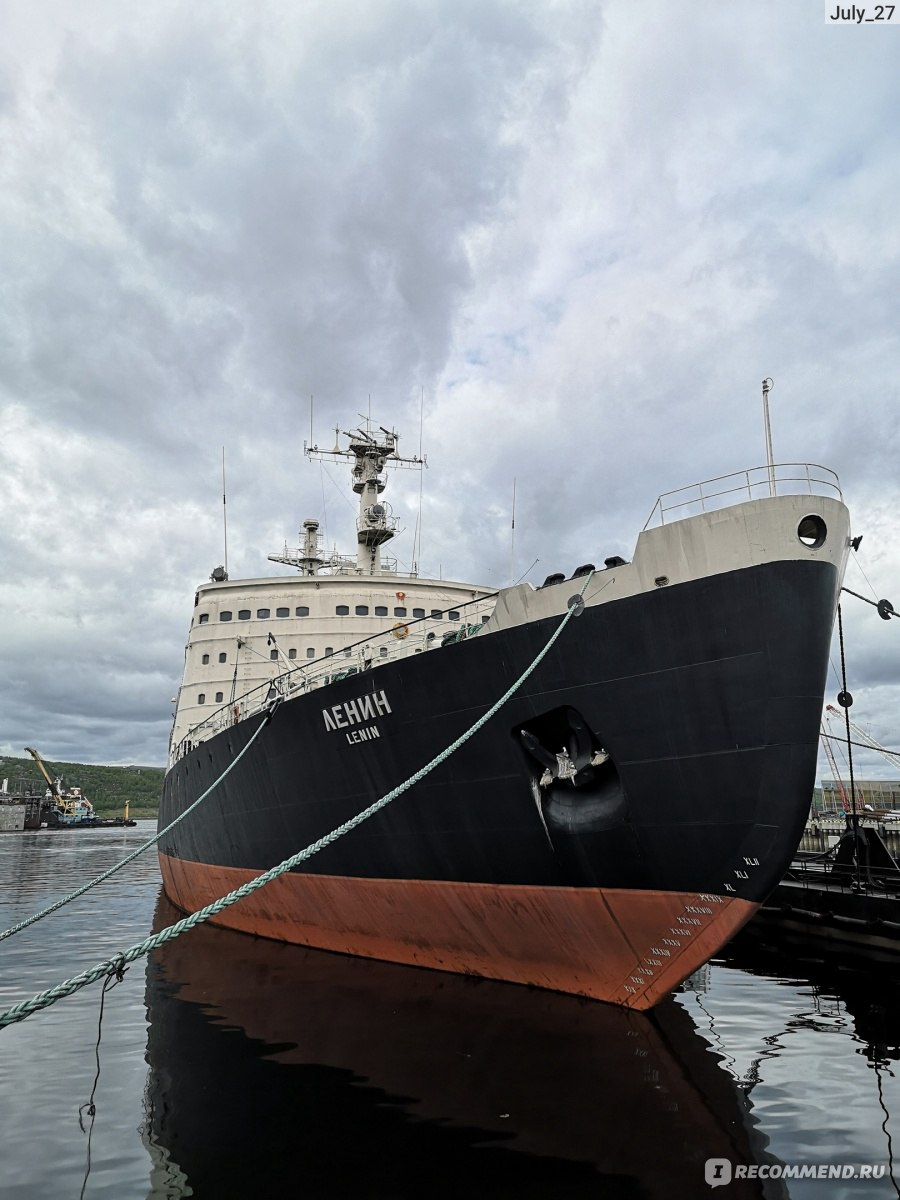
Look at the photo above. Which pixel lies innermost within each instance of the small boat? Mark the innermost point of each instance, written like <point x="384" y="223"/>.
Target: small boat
<point x="607" y="831"/>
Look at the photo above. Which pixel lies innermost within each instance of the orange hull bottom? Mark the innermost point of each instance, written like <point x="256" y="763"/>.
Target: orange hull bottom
<point x="625" y="947"/>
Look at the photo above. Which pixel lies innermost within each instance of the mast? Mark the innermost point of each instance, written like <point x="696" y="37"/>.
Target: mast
<point x="767" y="385"/>
<point x="370" y="452"/>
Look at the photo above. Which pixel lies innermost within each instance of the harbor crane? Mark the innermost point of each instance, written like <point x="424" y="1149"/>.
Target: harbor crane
<point x="868" y="741"/>
<point x="70" y="807"/>
<point x="829" y="754"/>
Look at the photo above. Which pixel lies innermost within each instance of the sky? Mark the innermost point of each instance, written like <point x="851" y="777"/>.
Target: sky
<point x="573" y="235"/>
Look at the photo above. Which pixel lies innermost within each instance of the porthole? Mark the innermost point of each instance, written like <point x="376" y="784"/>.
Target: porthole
<point x="812" y="531"/>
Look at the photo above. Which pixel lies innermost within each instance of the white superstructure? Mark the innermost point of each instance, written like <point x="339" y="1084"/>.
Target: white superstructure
<point x="339" y="614"/>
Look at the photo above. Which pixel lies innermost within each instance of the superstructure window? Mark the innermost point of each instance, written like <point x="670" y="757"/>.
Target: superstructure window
<point x="362" y="610"/>
<point x="244" y="614"/>
<point x="418" y="612"/>
<point x="219" y="697"/>
<point x="399" y="612"/>
<point x="382" y="651"/>
<point x="329" y="650"/>
<point x="310" y="652"/>
<point x="273" y="654"/>
<point x="301" y="611"/>
<point x="454" y="616"/>
<point x="223" y="658"/>
<point x="343" y="610"/>
<point x="292" y="653"/>
<point x="380" y="610"/>
<point x="262" y="614"/>
<point x="436" y="613"/>
<point x="201" y="699"/>
<point x="203" y="618"/>
<point x="225" y="616"/>
<point x="205" y="659"/>
<point x="282" y="612"/>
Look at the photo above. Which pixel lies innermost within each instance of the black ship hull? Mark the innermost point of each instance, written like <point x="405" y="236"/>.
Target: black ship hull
<point x="688" y="715"/>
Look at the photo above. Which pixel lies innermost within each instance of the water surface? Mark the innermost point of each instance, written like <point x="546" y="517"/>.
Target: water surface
<point x="236" y="1067"/>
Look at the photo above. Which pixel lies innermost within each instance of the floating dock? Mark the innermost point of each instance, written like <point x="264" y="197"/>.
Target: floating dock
<point x="850" y="894"/>
<point x="19" y="813"/>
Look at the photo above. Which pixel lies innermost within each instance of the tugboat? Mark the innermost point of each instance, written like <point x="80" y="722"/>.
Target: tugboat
<point x="607" y="831"/>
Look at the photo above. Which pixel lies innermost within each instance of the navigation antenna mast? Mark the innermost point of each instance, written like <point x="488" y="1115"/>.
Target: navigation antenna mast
<point x="224" y="513"/>
<point x="512" y="538"/>
<point x="371" y="452"/>
<point x="417" y="535"/>
<point x="767" y="385"/>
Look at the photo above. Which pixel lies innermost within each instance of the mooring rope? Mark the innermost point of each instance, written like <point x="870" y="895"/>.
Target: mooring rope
<point x="140" y="850"/>
<point x="886" y="610"/>
<point x="44" y="999"/>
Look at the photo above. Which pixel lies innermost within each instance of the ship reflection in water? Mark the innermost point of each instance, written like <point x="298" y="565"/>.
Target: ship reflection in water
<point x="277" y="1070"/>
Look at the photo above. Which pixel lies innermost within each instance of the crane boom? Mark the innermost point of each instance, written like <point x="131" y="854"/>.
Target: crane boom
<point x="866" y="738"/>
<point x="826" y="742"/>
<point x="53" y="785"/>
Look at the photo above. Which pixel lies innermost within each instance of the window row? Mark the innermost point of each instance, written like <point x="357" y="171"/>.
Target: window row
<point x="262" y="614"/>
<point x="310" y="653"/>
<point x="292" y="654"/>
<point x="341" y="610"/>
<point x="362" y="610"/>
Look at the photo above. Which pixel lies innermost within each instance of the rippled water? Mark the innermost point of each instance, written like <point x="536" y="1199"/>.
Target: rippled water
<point x="234" y="1067"/>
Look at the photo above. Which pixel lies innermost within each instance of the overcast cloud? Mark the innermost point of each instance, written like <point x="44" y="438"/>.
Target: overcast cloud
<point x="583" y="231"/>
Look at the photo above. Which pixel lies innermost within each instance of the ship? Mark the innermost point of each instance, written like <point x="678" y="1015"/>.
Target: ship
<point x="608" y="829"/>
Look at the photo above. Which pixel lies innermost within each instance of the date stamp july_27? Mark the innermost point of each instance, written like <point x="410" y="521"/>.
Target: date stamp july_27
<point x="854" y="14"/>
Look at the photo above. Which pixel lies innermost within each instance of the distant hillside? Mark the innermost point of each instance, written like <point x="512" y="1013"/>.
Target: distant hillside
<point x="107" y="788"/>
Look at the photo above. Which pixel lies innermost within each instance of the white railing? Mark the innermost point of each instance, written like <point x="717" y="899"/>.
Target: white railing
<point x="783" y="479"/>
<point x="422" y="634"/>
<point x="334" y="564"/>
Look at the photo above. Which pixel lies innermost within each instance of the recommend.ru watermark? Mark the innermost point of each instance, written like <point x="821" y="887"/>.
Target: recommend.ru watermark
<point x="720" y="1171"/>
